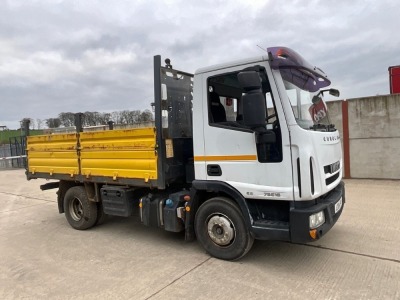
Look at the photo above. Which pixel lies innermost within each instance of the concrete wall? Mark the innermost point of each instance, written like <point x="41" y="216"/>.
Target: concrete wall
<point x="335" y="114"/>
<point x="374" y="135"/>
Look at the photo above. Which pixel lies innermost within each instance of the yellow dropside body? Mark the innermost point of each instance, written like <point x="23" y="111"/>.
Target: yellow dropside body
<point x="129" y="153"/>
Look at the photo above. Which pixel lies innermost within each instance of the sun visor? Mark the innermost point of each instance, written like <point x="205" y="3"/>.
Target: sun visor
<point x="295" y="69"/>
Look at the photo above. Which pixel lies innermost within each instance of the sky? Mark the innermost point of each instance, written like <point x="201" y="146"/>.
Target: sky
<point x="75" y="56"/>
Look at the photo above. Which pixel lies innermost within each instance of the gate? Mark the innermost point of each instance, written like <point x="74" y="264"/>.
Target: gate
<point x="13" y="154"/>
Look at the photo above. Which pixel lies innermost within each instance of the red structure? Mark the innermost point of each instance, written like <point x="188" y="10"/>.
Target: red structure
<point x="394" y="78"/>
<point x="346" y="139"/>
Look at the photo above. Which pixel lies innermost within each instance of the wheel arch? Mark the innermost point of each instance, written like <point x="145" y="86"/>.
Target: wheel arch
<point x="92" y="191"/>
<point x="64" y="186"/>
<point x="202" y="191"/>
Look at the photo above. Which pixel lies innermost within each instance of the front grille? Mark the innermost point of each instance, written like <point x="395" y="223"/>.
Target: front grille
<point x="332" y="168"/>
<point x="331" y="179"/>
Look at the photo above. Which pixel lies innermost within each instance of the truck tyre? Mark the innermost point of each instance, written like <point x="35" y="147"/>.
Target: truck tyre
<point x="81" y="213"/>
<point x="101" y="216"/>
<point x="221" y="230"/>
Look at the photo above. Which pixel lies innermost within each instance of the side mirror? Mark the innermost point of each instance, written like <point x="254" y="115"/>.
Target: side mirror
<point x="334" y="92"/>
<point x="254" y="107"/>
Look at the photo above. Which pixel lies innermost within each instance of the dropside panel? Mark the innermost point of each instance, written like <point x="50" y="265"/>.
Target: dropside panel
<point x="53" y="154"/>
<point x="118" y="154"/>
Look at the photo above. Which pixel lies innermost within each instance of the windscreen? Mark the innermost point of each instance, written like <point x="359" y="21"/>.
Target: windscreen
<point x="302" y="84"/>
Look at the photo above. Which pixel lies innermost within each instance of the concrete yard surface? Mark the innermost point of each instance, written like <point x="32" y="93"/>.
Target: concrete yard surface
<point x="42" y="257"/>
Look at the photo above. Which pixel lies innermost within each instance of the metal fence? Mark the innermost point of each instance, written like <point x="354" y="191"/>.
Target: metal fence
<point x="12" y="154"/>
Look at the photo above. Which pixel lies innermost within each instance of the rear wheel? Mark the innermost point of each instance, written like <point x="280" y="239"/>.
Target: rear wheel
<point x="101" y="216"/>
<point x="81" y="213"/>
<point x="221" y="230"/>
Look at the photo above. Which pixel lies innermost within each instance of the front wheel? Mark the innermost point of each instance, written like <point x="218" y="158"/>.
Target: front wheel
<point x="81" y="213"/>
<point x="221" y="230"/>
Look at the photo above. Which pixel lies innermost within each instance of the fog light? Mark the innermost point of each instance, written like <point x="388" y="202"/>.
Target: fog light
<point x="317" y="219"/>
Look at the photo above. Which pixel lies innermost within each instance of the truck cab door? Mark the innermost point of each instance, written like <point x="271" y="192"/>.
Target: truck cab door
<point x="226" y="149"/>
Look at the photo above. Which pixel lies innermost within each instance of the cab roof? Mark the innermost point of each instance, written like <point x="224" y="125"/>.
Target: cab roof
<point x="231" y="64"/>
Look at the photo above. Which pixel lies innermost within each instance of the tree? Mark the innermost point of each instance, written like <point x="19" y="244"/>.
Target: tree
<point x="53" y="122"/>
<point x="146" y="116"/>
<point x="104" y="118"/>
<point x="31" y="121"/>
<point x="67" y="119"/>
<point x="88" y="118"/>
<point x="39" y="123"/>
<point x="125" y="117"/>
<point x="116" y="116"/>
<point x="135" y="116"/>
<point x="92" y="118"/>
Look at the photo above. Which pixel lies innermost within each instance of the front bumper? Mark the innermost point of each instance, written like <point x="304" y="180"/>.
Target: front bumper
<point x="299" y="217"/>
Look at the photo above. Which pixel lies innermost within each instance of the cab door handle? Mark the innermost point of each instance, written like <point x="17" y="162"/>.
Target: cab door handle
<point x="214" y="170"/>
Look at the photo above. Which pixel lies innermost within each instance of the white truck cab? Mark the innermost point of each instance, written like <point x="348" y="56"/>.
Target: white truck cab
<point x="262" y="132"/>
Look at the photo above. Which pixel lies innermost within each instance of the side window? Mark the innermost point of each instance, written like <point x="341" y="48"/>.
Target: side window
<point x="230" y="105"/>
<point x="222" y="109"/>
<point x="224" y="96"/>
<point x="216" y="110"/>
<point x="271" y="113"/>
<point x="225" y="110"/>
<point x="224" y="101"/>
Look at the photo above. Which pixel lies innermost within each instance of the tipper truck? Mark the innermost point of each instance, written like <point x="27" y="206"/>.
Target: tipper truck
<point x="239" y="151"/>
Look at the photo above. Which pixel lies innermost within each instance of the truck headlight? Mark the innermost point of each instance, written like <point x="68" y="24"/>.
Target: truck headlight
<point x="317" y="219"/>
